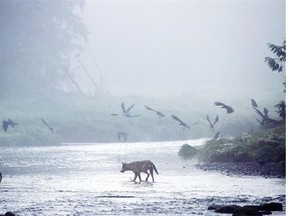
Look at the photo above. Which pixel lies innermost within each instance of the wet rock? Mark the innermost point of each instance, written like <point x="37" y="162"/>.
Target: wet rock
<point x="228" y="209"/>
<point x="243" y="157"/>
<point x="256" y="210"/>
<point x="246" y="211"/>
<point x="7" y="214"/>
<point x="280" y="157"/>
<point x="214" y="207"/>
<point x="265" y="154"/>
<point x="274" y="206"/>
<point x="187" y="152"/>
<point x="256" y="207"/>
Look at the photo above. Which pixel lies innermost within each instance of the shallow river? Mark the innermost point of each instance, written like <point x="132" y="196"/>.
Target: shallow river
<point x="85" y="179"/>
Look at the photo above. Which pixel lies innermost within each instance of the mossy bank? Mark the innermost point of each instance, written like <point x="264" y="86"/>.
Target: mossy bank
<point x="260" y="152"/>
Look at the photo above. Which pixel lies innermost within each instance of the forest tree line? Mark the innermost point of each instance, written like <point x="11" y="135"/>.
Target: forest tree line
<point x="38" y="40"/>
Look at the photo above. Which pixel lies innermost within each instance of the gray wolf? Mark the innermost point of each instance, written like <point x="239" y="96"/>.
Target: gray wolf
<point x="140" y="166"/>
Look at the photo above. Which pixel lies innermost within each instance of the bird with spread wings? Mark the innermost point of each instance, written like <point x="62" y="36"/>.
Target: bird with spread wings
<point x="45" y="123"/>
<point x="212" y="124"/>
<point x="181" y="123"/>
<point x="126" y="112"/>
<point x="160" y="114"/>
<point x="6" y="124"/>
<point x="229" y="109"/>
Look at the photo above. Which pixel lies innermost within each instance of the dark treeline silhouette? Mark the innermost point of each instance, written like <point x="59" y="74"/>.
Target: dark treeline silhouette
<point x="37" y="42"/>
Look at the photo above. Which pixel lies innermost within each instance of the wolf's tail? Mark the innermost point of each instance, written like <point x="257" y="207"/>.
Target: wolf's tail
<point x="154" y="167"/>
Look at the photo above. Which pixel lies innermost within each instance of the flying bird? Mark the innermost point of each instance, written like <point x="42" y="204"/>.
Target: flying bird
<point x="180" y="121"/>
<point x="229" y="109"/>
<point x="45" y="123"/>
<point x="122" y="134"/>
<point x="212" y="124"/>
<point x="128" y="115"/>
<point x="126" y="112"/>
<point x="253" y="102"/>
<point x="6" y="124"/>
<point x="114" y="114"/>
<point x="160" y="114"/>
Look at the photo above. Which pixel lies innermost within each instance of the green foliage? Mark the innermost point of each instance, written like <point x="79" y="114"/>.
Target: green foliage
<point x="281" y="109"/>
<point x="215" y="149"/>
<point x="37" y="40"/>
<point x="245" y="148"/>
<point x="277" y="63"/>
<point x="187" y="152"/>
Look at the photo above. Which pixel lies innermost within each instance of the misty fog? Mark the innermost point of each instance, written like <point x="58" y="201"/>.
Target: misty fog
<point x="203" y="49"/>
<point x="73" y="63"/>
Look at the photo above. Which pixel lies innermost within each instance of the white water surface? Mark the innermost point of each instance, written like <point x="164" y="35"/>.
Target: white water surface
<point x="85" y="179"/>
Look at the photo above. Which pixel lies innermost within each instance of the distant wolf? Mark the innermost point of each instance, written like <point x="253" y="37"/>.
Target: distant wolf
<point x="140" y="166"/>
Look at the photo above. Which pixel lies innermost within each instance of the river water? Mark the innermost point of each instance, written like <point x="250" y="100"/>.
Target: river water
<point x="85" y="179"/>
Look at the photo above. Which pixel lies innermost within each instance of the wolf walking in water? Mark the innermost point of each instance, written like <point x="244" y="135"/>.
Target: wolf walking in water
<point x="140" y="166"/>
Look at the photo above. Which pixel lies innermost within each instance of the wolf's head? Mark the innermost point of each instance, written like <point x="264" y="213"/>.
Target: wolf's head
<point x="124" y="167"/>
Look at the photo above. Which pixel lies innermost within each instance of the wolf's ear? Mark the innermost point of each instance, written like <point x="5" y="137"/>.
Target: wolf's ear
<point x="123" y="163"/>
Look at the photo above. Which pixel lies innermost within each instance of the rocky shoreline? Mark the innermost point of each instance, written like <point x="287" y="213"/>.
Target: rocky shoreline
<point x="253" y="210"/>
<point x="267" y="170"/>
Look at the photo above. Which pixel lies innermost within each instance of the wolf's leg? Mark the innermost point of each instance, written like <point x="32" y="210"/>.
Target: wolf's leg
<point x="135" y="177"/>
<point x="147" y="175"/>
<point x="151" y="172"/>
<point x="139" y="177"/>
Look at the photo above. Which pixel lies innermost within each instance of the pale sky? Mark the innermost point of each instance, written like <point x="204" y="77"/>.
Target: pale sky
<point x="162" y="48"/>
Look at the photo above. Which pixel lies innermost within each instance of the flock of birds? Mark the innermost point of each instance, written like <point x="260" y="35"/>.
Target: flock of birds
<point x="126" y="112"/>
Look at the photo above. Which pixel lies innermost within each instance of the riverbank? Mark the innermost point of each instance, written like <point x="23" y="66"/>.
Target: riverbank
<point x="256" y="154"/>
<point x="268" y="170"/>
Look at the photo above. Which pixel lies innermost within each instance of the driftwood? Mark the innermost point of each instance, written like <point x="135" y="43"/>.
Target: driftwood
<point x="89" y="76"/>
<point x="265" y="118"/>
<point x="101" y="88"/>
